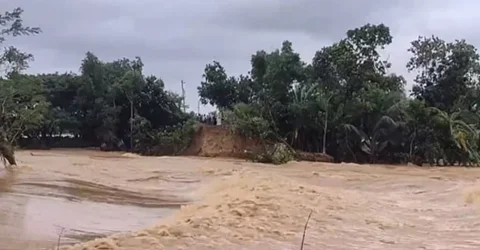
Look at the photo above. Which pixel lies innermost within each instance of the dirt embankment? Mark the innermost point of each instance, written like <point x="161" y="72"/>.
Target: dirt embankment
<point x="220" y="141"/>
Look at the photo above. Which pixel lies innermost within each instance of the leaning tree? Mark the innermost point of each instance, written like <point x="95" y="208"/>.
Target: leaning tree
<point x="12" y="62"/>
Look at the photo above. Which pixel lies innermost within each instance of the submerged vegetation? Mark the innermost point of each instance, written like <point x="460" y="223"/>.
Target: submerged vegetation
<point x="344" y="103"/>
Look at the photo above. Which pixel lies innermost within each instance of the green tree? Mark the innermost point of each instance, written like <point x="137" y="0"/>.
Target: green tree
<point x="22" y="106"/>
<point x="11" y="24"/>
<point x="130" y="85"/>
<point x="459" y="131"/>
<point x="217" y="88"/>
<point x="448" y="71"/>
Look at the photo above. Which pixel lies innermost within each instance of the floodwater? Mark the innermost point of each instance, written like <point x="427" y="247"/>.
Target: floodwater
<point x="66" y="197"/>
<point x="95" y="200"/>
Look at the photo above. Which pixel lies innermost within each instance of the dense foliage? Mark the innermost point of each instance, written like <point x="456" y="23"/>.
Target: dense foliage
<point x="347" y="104"/>
<point x="112" y="104"/>
<point x="344" y="102"/>
<point x="109" y="103"/>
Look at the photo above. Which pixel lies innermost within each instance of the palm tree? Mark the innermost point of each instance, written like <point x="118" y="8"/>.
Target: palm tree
<point x="307" y="97"/>
<point x="463" y="134"/>
<point x="324" y="101"/>
<point x="410" y="113"/>
<point x="380" y="137"/>
<point x="303" y="97"/>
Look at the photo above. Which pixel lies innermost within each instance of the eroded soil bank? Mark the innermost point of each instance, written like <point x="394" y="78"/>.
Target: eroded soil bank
<point x="234" y="204"/>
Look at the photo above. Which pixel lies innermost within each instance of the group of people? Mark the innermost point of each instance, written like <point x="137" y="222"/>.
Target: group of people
<point x="210" y="119"/>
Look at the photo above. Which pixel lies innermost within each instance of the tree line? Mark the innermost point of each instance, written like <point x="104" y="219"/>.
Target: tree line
<point x="112" y="104"/>
<point x="344" y="103"/>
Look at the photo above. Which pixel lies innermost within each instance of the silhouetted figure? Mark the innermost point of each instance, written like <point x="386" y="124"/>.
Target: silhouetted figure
<point x="214" y="120"/>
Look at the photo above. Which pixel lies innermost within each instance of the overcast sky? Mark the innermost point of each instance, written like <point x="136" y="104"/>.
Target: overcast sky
<point x="176" y="39"/>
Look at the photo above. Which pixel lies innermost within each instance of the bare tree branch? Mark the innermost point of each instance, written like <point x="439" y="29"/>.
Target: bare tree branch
<point x="60" y="238"/>
<point x="305" y="229"/>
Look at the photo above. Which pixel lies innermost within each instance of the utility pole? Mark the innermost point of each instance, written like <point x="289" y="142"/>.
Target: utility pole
<point x="325" y="125"/>
<point x="131" y="110"/>
<point x="183" y="95"/>
<point x="198" y="107"/>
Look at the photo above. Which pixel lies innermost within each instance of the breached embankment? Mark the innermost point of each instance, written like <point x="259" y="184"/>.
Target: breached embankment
<point x="219" y="141"/>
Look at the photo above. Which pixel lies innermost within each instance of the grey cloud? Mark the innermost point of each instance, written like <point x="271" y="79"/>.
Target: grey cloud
<point x="177" y="38"/>
<point x="327" y="19"/>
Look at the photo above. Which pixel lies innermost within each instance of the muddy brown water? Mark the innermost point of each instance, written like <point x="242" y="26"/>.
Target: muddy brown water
<point x="72" y="196"/>
<point x="108" y="201"/>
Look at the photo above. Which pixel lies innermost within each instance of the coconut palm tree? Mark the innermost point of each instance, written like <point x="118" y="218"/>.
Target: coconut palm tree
<point x="463" y="134"/>
<point x="304" y="97"/>
<point x="381" y="136"/>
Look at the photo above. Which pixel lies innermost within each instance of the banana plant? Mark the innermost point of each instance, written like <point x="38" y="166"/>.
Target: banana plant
<point x="464" y="135"/>
<point x="381" y="136"/>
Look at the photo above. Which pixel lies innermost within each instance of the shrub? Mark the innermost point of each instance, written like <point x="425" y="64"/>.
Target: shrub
<point x="246" y="120"/>
<point x="277" y="154"/>
<point x="169" y="140"/>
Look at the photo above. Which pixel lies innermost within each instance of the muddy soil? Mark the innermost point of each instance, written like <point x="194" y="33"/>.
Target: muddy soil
<point x="109" y="201"/>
